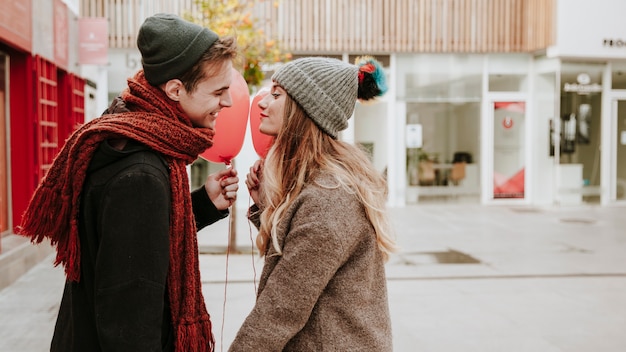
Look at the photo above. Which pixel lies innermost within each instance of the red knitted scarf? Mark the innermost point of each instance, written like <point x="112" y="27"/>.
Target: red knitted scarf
<point x="157" y="122"/>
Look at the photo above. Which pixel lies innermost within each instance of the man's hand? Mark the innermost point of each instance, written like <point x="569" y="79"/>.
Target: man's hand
<point x="222" y="188"/>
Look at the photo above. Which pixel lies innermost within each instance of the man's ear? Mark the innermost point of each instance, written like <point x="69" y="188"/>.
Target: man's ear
<point x="173" y="88"/>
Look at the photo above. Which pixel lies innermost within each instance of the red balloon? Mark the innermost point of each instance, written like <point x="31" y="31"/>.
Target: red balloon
<point x="262" y="142"/>
<point x="230" y="126"/>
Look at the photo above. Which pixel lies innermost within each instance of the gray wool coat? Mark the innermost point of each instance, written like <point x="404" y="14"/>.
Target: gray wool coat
<point x="327" y="291"/>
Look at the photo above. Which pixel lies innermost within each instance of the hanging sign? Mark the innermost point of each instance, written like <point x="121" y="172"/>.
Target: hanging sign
<point x="93" y="41"/>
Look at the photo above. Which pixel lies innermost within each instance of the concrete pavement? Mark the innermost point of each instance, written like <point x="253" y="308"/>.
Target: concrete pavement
<point x="468" y="277"/>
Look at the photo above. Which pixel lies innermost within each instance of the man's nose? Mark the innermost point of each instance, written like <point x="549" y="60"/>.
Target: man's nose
<point x="227" y="100"/>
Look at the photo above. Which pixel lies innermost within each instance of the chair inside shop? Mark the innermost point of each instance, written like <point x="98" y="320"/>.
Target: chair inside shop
<point x="457" y="173"/>
<point x="426" y="173"/>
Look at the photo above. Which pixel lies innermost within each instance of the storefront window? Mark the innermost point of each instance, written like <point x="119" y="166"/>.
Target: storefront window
<point x="443" y="96"/>
<point x="440" y="78"/>
<point x="580" y="126"/>
<point x="620" y="167"/>
<point x="447" y="160"/>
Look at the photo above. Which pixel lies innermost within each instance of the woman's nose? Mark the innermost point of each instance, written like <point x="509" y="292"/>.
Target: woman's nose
<point x="263" y="102"/>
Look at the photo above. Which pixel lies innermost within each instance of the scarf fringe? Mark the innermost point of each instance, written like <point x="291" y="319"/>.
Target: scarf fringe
<point x="39" y="223"/>
<point x="195" y="336"/>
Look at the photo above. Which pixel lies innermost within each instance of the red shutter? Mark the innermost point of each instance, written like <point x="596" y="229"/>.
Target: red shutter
<point x="72" y="104"/>
<point x="78" y="102"/>
<point x="47" y="119"/>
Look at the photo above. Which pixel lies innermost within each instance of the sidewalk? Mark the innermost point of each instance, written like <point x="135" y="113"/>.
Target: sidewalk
<point x="468" y="277"/>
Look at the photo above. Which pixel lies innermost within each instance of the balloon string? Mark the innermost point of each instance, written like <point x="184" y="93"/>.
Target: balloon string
<point x="252" y="249"/>
<point x="225" y="286"/>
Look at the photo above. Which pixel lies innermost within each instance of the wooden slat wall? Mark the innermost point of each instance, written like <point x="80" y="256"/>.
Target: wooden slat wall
<point x="126" y="16"/>
<point x="375" y="26"/>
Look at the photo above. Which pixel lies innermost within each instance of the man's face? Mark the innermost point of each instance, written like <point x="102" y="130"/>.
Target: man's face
<point x="210" y="96"/>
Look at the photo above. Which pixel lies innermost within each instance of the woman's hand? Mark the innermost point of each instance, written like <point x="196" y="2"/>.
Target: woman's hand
<point x="253" y="180"/>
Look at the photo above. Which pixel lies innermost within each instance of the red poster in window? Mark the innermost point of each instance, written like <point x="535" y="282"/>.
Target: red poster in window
<point x="93" y="41"/>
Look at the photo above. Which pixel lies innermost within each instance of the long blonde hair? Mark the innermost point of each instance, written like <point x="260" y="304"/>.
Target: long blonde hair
<point x="302" y="151"/>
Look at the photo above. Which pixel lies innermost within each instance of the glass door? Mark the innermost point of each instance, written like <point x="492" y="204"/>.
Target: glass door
<point x="618" y="189"/>
<point x="506" y="173"/>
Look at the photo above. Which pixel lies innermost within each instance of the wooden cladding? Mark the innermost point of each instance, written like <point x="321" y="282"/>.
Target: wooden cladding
<point x="375" y="26"/>
<point x="126" y="16"/>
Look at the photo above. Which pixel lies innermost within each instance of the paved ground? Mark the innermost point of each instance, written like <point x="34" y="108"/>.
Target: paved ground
<point x="468" y="278"/>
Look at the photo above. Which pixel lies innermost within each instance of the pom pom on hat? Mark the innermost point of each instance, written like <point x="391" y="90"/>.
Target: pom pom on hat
<point x="372" y="82"/>
<point x="170" y="46"/>
<point x="327" y="89"/>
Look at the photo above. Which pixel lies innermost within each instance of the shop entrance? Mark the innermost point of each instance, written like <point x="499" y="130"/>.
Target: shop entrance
<point x="579" y="128"/>
<point x="506" y="144"/>
<point x="618" y="182"/>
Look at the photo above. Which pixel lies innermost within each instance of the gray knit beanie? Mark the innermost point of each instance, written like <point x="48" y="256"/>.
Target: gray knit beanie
<point x="325" y="88"/>
<point x="170" y="46"/>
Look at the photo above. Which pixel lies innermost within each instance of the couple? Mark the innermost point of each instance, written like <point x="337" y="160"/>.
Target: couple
<point x="116" y="204"/>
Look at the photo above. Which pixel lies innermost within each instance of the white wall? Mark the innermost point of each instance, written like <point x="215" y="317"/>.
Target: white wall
<point x="43" y="29"/>
<point x="123" y="63"/>
<point x="371" y="127"/>
<point x="586" y="28"/>
<point x="546" y="100"/>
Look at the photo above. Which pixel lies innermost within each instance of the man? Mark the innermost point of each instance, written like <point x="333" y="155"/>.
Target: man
<point x="116" y="202"/>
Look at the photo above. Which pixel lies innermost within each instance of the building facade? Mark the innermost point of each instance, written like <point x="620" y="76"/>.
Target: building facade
<point x="42" y="96"/>
<point x="490" y="101"/>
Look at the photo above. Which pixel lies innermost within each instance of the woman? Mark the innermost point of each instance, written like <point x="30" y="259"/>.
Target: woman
<point x="320" y="210"/>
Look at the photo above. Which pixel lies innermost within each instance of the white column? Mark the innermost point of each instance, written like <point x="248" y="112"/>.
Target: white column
<point x="396" y="153"/>
<point x="102" y="91"/>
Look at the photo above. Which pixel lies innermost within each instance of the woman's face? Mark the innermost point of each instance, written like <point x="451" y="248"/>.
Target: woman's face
<point x="272" y="110"/>
<point x="210" y="96"/>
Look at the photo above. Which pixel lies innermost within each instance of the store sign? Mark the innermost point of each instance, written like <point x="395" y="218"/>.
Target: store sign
<point x="583" y="85"/>
<point x="614" y="43"/>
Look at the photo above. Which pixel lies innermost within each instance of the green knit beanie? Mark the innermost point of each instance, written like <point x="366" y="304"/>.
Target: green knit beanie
<point x="170" y="46"/>
<point x="325" y="88"/>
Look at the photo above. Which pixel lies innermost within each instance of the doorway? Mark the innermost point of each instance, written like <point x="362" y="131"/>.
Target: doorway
<point x="618" y="162"/>
<point x="509" y="119"/>
<point x="505" y="145"/>
<point x="579" y="171"/>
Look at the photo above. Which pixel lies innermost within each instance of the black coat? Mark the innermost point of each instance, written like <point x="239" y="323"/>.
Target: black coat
<point x="121" y="303"/>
